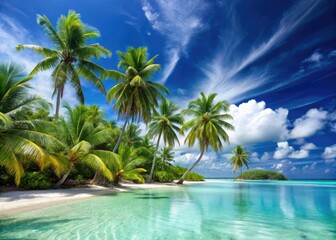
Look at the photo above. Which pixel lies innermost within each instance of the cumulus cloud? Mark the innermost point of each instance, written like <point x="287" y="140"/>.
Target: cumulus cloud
<point x="309" y="124"/>
<point x="284" y="150"/>
<point x="254" y="123"/>
<point x="309" y="146"/>
<point x="283" y="166"/>
<point x="329" y="152"/>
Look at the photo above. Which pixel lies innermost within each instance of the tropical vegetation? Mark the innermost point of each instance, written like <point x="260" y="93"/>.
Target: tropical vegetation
<point x="71" y="57"/>
<point x="208" y="126"/>
<point x="260" y="174"/>
<point x="166" y="124"/>
<point x="40" y="149"/>
<point x="239" y="159"/>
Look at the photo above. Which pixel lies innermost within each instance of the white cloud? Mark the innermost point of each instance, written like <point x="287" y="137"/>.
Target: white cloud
<point x="316" y="57"/>
<point x="221" y="72"/>
<point x="309" y="146"/>
<point x="254" y="123"/>
<point x="266" y="156"/>
<point x="284" y="150"/>
<point x="299" y="154"/>
<point x="283" y="166"/>
<point x="309" y="124"/>
<point x="329" y="152"/>
<point x="12" y="34"/>
<point x="179" y="21"/>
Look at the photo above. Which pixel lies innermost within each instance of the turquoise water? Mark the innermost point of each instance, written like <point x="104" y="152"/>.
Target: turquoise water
<point x="218" y="209"/>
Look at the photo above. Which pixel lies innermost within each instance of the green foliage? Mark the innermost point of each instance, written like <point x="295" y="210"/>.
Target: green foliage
<point x="80" y="134"/>
<point x="171" y="173"/>
<point x="81" y="171"/>
<point x="35" y="180"/>
<point x="23" y="139"/>
<point x="127" y="165"/>
<point x="163" y="176"/>
<point x="71" y="57"/>
<point x="165" y="123"/>
<point x="135" y="95"/>
<point x="208" y="124"/>
<point x="6" y="180"/>
<point x="239" y="158"/>
<point x="262" y="175"/>
<point x="193" y="176"/>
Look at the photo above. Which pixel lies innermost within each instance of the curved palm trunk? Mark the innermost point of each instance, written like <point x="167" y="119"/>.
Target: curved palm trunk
<point x="191" y="168"/>
<point x="97" y="177"/>
<point x="58" y="102"/>
<point x="121" y="134"/>
<point x="154" y="160"/>
<point x="61" y="181"/>
<point x="241" y="170"/>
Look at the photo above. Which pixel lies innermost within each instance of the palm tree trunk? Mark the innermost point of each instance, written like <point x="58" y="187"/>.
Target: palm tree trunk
<point x="189" y="170"/>
<point x="61" y="181"/>
<point x="121" y="134"/>
<point x="58" y="102"/>
<point x="154" y="160"/>
<point x="241" y="171"/>
<point x="97" y="177"/>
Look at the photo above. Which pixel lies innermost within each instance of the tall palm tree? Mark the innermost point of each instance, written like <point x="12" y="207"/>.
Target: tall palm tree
<point x="135" y="95"/>
<point x="239" y="159"/>
<point x="132" y="135"/>
<point x="166" y="122"/>
<point x="81" y="137"/>
<point x="127" y="166"/>
<point x="71" y="57"/>
<point x="207" y="126"/>
<point x="166" y="156"/>
<point x="22" y="140"/>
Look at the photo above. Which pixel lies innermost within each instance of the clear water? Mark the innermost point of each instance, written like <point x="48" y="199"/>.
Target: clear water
<point x="218" y="209"/>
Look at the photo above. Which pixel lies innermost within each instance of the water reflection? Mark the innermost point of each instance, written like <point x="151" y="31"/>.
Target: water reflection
<point x="242" y="199"/>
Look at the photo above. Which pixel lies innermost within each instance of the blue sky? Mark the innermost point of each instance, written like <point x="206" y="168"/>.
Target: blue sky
<point x="274" y="61"/>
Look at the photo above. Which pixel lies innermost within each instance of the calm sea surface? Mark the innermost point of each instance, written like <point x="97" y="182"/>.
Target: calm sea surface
<point x="218" y="209"/>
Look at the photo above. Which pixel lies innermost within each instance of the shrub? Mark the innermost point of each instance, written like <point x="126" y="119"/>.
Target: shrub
<point x="262" y="175"/>
<point x="35" y="180"/>
<point x="5" y="179"/>
<point x="192" y="176"/>
<point x="163" y="176"/>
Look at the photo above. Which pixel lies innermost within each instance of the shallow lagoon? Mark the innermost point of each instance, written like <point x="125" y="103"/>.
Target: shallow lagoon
<point x="218" y="209"/>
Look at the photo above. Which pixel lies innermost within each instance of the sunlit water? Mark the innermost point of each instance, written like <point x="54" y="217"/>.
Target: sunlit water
<point x="218" y="209"/>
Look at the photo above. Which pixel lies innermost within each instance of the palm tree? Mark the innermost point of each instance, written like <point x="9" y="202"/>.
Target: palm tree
<point x="239" y="158"/>
<point x="207" y="125"/>
<point x="70" y="59"/>
<point x="127" y="166"/>
<point x="166" y="156"/>
<point x="132" y="135"/>
<point x="81" y="137"/>
<point x="165" y="123"/>
<point x="135" y="96"/>
<point x="21" y="139"/>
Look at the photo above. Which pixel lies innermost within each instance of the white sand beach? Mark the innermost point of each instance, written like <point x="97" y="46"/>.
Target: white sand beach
<point x="17" y="201"/>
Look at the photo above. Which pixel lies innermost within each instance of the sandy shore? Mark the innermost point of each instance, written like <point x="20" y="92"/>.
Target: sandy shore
<point x="18" y="201"/>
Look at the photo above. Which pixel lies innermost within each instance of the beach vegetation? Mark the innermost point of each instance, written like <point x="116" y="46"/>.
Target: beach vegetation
<point x="239" y="159"/>
<point x="260" y="174"/>
<point x="208" y="126"/>
<point x="70" y="59"/>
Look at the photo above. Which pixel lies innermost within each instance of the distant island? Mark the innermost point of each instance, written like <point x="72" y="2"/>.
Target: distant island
<point x="261" y="175"/>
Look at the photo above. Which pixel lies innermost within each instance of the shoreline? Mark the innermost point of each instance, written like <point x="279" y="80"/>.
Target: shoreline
<point x="13" y="202"/>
